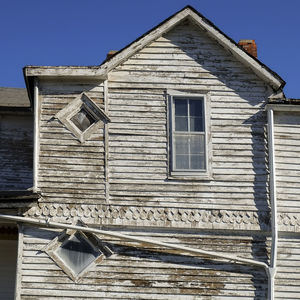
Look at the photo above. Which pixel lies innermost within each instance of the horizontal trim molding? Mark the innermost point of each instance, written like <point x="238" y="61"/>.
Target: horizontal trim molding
<point x="104" y="214"/>
<point x="283" y="107"/>
<point x="154" y="216"/>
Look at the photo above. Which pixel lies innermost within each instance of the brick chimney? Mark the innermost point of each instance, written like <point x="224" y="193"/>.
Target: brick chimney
<point x="249" y="46"/>
<point x="111" y="53"/>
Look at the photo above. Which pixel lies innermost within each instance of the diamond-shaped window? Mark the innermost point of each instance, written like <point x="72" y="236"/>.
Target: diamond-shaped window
<point x="82" y="117"/>
<point x="76" y="252"/>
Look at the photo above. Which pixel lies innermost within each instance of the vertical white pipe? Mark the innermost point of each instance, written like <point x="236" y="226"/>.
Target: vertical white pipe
<point x="19" y="263"/>
<point x="106" y="142"/>
<point x="35" y="135"/>
<point x="271" y="283"/>
<point x="272" y="188"/>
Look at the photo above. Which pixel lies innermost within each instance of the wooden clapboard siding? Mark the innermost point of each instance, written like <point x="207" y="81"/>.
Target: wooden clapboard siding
<point x="68" y="169"/>
<point x="287" y="134"/>
<point x="186" y="59"/>
<point x="287" y="153"/>
<point x="138" y="272"/>
<point x="287" y="282"/>
<point x="16" y="152"/>
<point x="62" y="87"/>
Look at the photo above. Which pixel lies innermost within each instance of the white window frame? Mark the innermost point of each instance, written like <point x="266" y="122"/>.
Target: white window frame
<point x="205" y="174"/>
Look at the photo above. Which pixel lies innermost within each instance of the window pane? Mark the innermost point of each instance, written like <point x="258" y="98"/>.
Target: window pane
<point x="182" y="161"/>
<point x="180" y="107"/>
<point x="196" y="124"/>
<point x="83" y="120"/>
<point x="196" y="108"/>
<point x="181" y="113"/>
<point x="181" y="123"/>
<point x="77" y="253"/>
<point x="197" y="144"/>
<point x="181" y="143"/>
<point x="197" y="162"/>
<point x="196" y="115"/>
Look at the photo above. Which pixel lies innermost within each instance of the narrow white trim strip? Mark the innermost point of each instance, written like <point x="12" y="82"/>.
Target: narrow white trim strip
<point x="272" y="183"/>
<point x="36" y="136"/>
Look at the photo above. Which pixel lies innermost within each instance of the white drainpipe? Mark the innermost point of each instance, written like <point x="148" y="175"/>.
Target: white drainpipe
<point x="36" y="134"/>
<point x="272" y="188"/>
<point x="46" y="223"/>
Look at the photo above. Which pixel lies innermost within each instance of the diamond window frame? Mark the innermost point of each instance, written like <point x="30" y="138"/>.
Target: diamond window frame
<point x="83" y="101"/>
<point x="63" y="238"/>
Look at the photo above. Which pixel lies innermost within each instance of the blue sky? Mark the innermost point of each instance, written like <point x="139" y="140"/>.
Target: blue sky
<point x="81" y="32"/>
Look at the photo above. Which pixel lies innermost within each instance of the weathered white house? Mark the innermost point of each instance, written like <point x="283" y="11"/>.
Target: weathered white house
<point x="168" y="172"/>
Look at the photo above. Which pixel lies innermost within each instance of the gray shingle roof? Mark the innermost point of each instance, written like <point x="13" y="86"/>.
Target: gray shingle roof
<point x="14" y="97"/>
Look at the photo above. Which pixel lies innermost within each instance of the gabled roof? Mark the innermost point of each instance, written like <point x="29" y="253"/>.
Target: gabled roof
<point x="188" y="12"/>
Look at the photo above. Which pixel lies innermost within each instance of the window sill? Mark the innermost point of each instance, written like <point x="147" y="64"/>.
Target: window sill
<point x="194" y="176"/>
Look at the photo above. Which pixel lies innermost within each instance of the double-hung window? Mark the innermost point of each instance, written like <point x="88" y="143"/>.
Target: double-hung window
<point x="188" y="140"/>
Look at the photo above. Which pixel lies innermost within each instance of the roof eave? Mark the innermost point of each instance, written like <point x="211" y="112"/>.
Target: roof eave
<point x="283" y="107"/>
<point x="78" y="72"/>
<point x="64" y="71"/>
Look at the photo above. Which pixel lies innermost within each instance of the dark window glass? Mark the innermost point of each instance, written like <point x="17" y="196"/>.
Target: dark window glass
<point x="83" y="120"/>
<point x="181" y="123"/>
<point x="77" y="253"/>
<point x="196" y="108"/>
<point x="181" y="115"/>
<point x="196" y="124"/>
<point x="196" y="115"/>
<point x="181" y="107"/>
